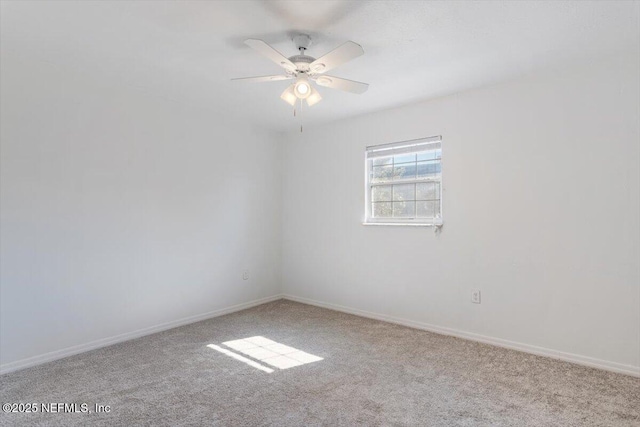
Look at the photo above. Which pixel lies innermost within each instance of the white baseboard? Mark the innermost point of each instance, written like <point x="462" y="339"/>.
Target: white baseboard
<point x="70" y="351"/>
<point x="540" y="351"/>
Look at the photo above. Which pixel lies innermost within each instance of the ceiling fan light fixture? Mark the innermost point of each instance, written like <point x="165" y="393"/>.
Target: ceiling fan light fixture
<point x="314" y="97"/>
<point x="289" y="96"/>
<point x="302" y="87"/>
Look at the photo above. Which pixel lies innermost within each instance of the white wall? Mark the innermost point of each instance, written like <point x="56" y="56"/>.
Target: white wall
<point x="122" y="211"/>
<point x="541" y="212"/>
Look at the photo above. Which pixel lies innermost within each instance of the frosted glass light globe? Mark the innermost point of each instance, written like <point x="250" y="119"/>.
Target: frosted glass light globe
<point x="303" y="88"/>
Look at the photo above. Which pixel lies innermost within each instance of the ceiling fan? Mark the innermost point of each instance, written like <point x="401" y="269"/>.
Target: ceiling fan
<point x="305" y="69"/>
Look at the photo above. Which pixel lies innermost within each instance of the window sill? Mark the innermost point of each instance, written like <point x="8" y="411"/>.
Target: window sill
<point x="405" y="224"/>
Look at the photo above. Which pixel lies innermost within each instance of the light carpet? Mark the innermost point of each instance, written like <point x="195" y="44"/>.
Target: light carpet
<point x="371" y="373"/>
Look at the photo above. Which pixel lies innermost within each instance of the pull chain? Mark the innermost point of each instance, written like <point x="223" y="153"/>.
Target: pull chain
<point x="301" y="116"/>
<point x="295" y="113"/>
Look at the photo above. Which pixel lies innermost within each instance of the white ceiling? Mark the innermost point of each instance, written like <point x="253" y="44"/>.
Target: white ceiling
<point x="189" y="50"/>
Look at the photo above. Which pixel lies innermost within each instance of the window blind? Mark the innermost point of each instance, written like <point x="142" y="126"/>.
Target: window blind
<point x="395" y="148"/>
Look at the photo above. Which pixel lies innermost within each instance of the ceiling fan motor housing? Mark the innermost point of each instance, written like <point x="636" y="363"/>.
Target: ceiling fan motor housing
<point x="302" y="62"/>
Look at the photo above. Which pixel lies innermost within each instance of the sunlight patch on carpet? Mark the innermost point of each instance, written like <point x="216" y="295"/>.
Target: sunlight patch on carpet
<point x="267" y="351"/>
<point x="240" y="358"/>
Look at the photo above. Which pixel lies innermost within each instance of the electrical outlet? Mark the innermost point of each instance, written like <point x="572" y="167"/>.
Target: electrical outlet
<point x="245" y="275"/>
<point x="475" y="296"/>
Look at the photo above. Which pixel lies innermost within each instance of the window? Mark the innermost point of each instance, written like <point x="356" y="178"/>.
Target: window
<point x="404" y="183"/>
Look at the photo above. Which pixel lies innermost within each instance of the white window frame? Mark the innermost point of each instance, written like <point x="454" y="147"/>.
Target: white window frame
<point x="392" y="149"/>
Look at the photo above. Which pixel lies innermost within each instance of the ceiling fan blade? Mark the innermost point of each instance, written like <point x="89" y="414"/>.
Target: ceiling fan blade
<point x="263" y="79"/>
<point x="337" y="56"/>
<point x="266" y="50"/>
<point x="342" y="84"/>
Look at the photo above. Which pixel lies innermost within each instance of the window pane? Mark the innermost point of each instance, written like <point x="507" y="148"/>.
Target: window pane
<point x="382" y="173"/>
<point x="428" y="168"/>
<point x="428" y="209"/>
<point x="428" y="191"/>
<point x="381" y="193"/>
<point x="403" y="192"/>
<point x="379" y="161"/>
<point x="405" y="171"/>
<point x="429" y="155"/>
<point x="404" y="158"/>
<point x="381" y="210"/>
<point x="404" y="209"/>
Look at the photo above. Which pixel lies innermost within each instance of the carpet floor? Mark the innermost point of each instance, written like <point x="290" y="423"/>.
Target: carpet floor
<point x="291" y="364"/>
